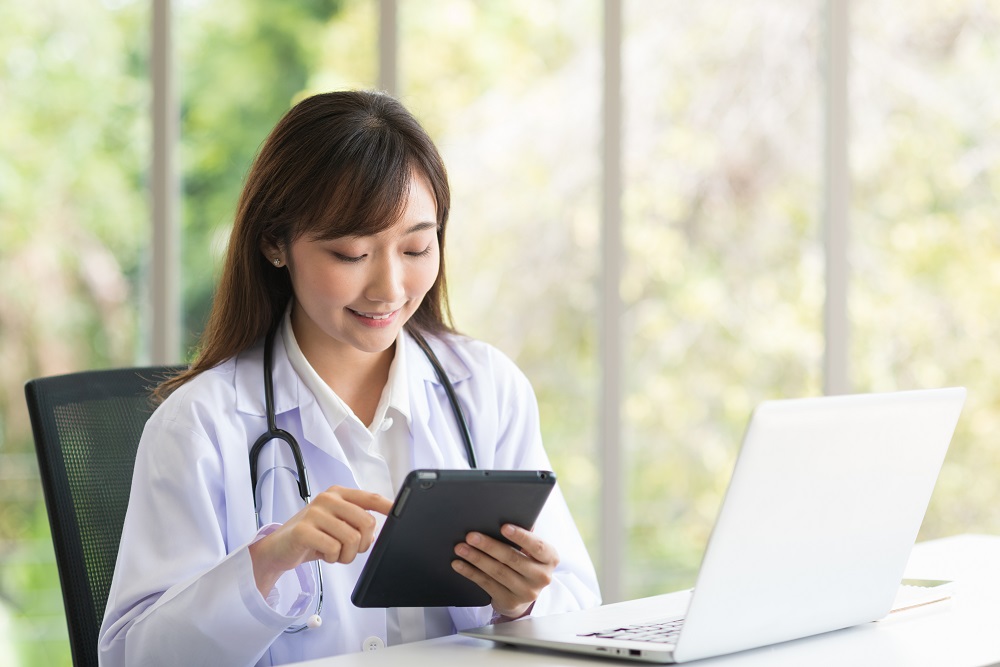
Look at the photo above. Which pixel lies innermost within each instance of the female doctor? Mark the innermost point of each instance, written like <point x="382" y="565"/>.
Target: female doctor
<point x="333" y="276"/>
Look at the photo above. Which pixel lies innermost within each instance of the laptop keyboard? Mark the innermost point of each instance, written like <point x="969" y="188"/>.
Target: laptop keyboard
<point x="660" y="632"/>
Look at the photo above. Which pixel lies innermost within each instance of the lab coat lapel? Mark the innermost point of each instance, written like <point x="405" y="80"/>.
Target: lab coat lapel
<point x="295" y="406"/>
<point x="298" y="413"/>
<point x="437" y="442"/>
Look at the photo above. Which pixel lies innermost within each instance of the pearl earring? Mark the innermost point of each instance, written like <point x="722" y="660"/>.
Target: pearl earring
<point x="277" y="261"/>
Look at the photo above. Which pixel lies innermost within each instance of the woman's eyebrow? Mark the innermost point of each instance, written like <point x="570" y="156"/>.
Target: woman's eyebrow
<point x="418" y="227"/>
<point x="421" y="226"/>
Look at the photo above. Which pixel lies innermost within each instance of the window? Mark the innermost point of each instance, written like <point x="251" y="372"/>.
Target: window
<point x="511" y="93"/>
<point x="722" y="286"/>
<point x="926" y="253"/>
<point x="722" y="222"/>
<point x="74" y="237"/>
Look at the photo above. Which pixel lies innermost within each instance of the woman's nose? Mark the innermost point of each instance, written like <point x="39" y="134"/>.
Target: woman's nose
<point x="386" y="284"/>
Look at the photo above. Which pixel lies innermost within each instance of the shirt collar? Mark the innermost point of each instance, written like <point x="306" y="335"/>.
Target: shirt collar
<point x="291" y="392"/>
<point x="397" y="384"/>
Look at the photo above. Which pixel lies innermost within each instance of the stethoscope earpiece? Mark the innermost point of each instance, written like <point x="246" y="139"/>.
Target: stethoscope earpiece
<point x="314" y="621"/>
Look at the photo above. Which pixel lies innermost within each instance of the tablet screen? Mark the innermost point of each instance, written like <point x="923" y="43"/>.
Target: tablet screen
<point x="410" y="562"/>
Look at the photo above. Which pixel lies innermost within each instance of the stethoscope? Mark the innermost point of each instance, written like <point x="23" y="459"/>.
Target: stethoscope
<point x="301" y="478"/>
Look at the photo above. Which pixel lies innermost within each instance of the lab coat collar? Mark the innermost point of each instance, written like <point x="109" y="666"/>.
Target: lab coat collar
<point x="421" y="368"/>
<point x="289" y="392"/>
<point x="437" y="442"/>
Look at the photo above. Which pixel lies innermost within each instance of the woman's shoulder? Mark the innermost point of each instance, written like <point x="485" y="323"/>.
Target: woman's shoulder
<point x="479" y="358"/>
<point x="211" y="392"/>
<point x="467" y="346"/>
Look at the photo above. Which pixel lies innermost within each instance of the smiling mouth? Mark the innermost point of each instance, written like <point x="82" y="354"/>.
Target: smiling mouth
<point x="373" y="316"/>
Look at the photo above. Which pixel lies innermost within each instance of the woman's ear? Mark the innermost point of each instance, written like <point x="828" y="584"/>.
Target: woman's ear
<point x="272" y="252"/>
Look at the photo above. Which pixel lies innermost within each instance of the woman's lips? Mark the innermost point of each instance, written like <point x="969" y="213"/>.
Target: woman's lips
<point x="375" y="320"/>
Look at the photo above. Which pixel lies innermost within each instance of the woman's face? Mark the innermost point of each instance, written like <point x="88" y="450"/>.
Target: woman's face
<point x="354" y="294"/>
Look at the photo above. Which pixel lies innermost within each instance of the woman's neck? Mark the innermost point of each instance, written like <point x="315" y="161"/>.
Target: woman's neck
<point x="357" y="377"/>
<point x="360" y="386"/>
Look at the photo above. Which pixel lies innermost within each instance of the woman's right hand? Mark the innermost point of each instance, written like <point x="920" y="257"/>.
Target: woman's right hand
<point x="335" y="527"/>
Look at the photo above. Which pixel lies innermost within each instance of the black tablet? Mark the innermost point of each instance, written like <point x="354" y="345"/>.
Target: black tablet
<point x="410" y="562"/>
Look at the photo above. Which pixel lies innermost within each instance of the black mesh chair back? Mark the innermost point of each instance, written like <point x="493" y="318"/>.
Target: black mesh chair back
<point x="87" y="428"/>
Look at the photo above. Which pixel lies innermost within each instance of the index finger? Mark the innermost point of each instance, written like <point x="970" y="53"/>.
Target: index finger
<point x="367" y="500"/>
<point x="530" y="543"/>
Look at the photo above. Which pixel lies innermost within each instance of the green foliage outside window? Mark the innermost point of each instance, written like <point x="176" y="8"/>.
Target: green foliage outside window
<point x="723" y="276"/>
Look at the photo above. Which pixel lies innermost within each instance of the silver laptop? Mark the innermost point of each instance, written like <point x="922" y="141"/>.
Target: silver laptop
<point x="823" y="507"/>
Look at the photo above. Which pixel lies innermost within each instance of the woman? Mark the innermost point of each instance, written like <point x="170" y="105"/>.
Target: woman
<point x="337" y="260"/>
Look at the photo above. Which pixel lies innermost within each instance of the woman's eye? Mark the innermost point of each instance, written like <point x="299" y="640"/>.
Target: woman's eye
<point x="422" y="253"/>
<point x="348" y="258"/>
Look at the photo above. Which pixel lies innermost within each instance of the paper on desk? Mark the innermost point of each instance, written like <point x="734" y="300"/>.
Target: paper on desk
<point x="910" y="596"/>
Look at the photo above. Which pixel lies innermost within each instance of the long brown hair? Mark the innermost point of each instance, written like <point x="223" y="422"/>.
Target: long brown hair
<point x="337" y="164"/>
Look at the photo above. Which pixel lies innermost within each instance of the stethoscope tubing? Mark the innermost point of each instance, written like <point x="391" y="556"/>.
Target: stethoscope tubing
<point x="300" y="473"/>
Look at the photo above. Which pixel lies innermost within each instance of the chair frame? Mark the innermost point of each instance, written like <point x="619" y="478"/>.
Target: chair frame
<point x="84" y="594"/>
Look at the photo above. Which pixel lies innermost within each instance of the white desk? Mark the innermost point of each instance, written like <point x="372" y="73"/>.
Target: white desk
<point x="961" y="632"/>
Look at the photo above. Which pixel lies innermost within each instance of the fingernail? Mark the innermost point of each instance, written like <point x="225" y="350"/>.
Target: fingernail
<point x="457" y="565"/>
<point x="508" y="530"/>
<point x="462" y="550"/>
<point x="474" y="538"/>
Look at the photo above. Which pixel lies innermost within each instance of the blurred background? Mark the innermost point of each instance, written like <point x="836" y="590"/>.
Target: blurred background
<point x="723" y="203"/>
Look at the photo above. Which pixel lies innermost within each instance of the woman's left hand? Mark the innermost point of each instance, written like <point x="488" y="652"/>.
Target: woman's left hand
<point x="513" y="578"/>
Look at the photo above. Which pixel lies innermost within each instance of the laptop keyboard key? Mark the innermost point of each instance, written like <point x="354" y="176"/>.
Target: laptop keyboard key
<point x="660" y="632"/>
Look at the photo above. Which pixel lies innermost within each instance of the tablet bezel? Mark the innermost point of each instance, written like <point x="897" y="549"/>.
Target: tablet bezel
<point x="410" y="562"/>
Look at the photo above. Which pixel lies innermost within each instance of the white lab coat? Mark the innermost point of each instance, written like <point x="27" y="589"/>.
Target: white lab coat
<point x="183" y="591"/>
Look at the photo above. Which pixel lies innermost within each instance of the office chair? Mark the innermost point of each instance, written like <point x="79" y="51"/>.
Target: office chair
<point x="87" y="427"/>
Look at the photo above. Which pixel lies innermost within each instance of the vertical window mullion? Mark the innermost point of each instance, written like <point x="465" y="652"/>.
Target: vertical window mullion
<point x="836" y="375"/>
<point x="612" y="533"/>
<point x="388" y="46"/>
<point x="164" y="274"/>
